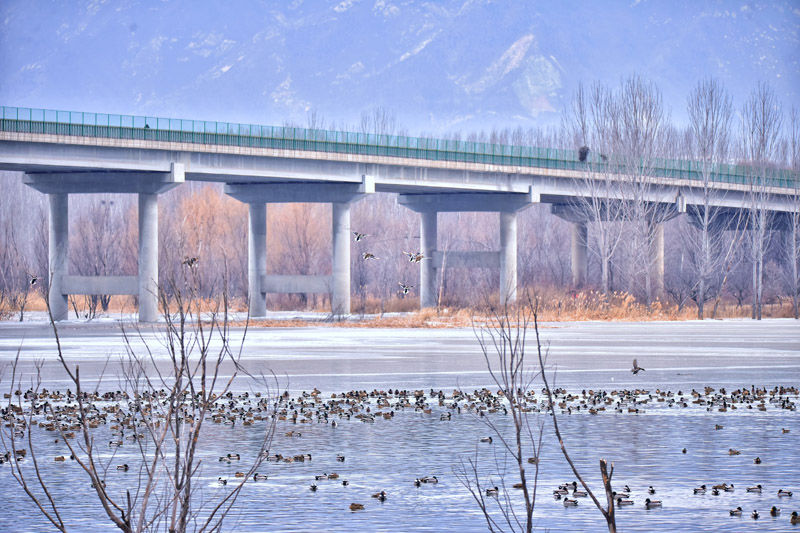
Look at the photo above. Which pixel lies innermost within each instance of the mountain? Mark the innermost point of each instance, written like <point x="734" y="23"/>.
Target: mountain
<point x="437" y="65"/>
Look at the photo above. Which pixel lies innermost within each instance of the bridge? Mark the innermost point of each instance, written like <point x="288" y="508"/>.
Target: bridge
<point x="63" y="153"/>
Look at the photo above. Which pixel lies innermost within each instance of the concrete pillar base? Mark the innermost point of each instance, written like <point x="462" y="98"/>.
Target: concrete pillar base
<point x="579" y="261"/>
<point x="58" y="226"/>
<point x="148" y="257"/>
<point x="427" y="268"/>
<point x="340" y="294"/>
<point x="508" y="257"/>
<point x="257" y="259"/>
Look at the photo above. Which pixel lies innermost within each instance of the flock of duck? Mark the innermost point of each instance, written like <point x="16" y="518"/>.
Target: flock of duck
<point x="120" y="413"/>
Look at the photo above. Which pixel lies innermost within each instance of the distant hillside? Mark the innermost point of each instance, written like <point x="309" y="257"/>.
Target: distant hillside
<point x="440" y="66"/>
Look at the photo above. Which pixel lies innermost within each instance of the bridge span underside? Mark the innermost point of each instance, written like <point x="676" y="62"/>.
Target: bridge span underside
<point x="59" y="164"/>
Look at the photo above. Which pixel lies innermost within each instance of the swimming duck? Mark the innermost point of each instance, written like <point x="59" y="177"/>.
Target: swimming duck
<point x="624" y="501"/>
<point x="431" y="479"/>
<point x="736" y="512"/>
<point x="313" y="487"/>
<point x="321" y="476"/>
<point x="356" y="507"/>
<point x="794" y="519"/>
<point x="333" y="475"/>
<point x="486" y="439"/>
<point x="570" y="503"/>
<point x="757" y="489"/>
<point x="757" y="460"/>
<point x="683" y="450"/>
<point x="729" y="488"/>
<point x="340" y="458"/>
<point x="718" y="426"/>
<point x="380" y="496"/>
<point x="715" y="492"/>
<point x="774" y="511"/>
<point x="238" y="474"/>
<point x="700" y="490"/>
<point x="784" y="493"/>
<point x="754" y="515"/>
<point x="492" y="492"/>
<point x="579" y="494"/>
<point x="345" y="482"/>
<point x="651" y="490"/>
<point x="417" y="482"/>
<point x="259" y="477"/>
<point x="123" y="468"/>
<point x="222" y="481"/>
<point x="731" y="451"/>
<point x="627" y="489"/>
<point x="650" y="504"/>
<point x="61" y="458"/>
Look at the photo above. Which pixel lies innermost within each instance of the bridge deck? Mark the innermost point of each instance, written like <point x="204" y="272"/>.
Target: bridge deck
<point x="110" y="126"/>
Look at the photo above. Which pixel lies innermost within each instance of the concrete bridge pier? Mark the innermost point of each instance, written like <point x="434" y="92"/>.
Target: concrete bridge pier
<point x="430" y="205"/>
<point x="579" y="253"/>
<point x="147" y="185"/>
<point x="58" y="252"/>
<point x="340" y="195"/>
<point x="257" y="258"/>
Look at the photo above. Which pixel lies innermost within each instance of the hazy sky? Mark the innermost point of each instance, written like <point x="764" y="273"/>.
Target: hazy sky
<point x="439" y="65"/>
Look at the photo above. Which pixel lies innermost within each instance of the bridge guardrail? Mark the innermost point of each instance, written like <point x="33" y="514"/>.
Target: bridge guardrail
<point x="103" y="125"/>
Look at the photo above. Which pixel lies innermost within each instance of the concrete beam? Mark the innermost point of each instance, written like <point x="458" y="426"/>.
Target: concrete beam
<point x="285" y="284"/>
<point x="461" y="259"/>
<point x="106" y="181"/>
<point x="300" y="192"/>
<point x="58" y="254"/>
<point x="128" y="285"/>
<point x="453" y="202"/>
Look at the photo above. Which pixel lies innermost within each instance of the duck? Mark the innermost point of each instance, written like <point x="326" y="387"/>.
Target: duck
<point x="683" y="450"/>
<point x="729" y="488"/>
<point x="754" y="515"/>
<point x="123" y="468"/>
<point x="650" y="504"/>
<point x="61" y="458"/>
<point x="356" y="506"/>
<point x="222" y="481"/>
<point x="340" y="458"/>
<point x="492" y="492"/>
<point x="333" y="475"/>
<point x="651" y="490"/>
<point x="259" y="477"/>
<point x="757" y="489"/>
<point x="784" y="493"/>
<point x="313" y="487"/>
<point x="718" y="426"/>
<point x="381" y="496"/>
<point x="627" y="489"/>
<point x="715" y="492"/>
<point x="345" y="482"/>
<point x="757" y="460"/>
<point x="417" y="482"/>
<point x="732" y="451"/>
<point x="487" y="439"/>
<point x="624" y="501"/>
<point x="700" y="490"/>
<point x="570" y="503"/>
<point x="320" y="477"/>
<point x="736" y="512"/>
<point x="431" y="479"/>
<point x="794" y="519"/>
<point x="579" y="494"/>
<point x="774" y="511"/>
<point x="359" y="236"/>
<point x="238" y="474"/>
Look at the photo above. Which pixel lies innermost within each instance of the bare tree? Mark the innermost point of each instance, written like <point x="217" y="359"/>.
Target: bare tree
<point x="166" y="408"/>
<point x="710" y="110"/>
<point x="761" y="126"/>
<point x="792" y="250"/>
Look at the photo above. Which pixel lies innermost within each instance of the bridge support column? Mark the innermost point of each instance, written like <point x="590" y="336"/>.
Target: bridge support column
<point x="429" y="205"/>
<point x="340" y="293"/>
<point x="579" y="254"/>
<point x="508" y="257"/>
<point x="148" y="257"/>
<point x="340" y="195"/>
<point x="58" y="227"/>
<point x="428" y="233"/>
<point x="257" y="259"/>
<point x="657" y="257"/>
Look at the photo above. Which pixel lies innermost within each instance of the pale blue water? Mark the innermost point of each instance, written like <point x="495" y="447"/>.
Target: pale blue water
<point x="389" y="455"/>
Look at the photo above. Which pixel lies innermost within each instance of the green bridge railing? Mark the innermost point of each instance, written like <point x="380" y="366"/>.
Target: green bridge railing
<point x="27" y="120"/>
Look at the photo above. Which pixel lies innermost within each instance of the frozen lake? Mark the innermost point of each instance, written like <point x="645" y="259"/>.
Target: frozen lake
<point x="389" y="455"/>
